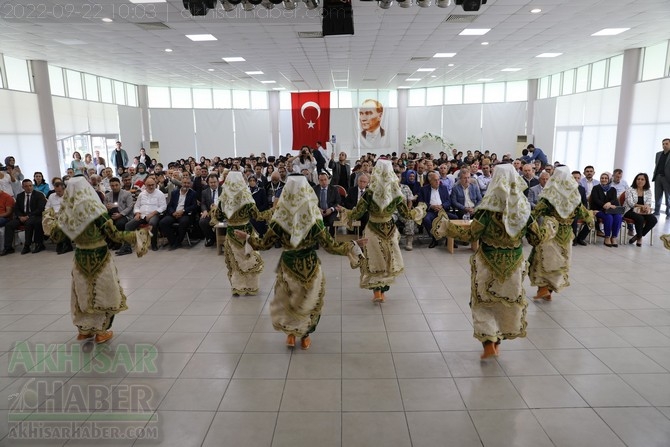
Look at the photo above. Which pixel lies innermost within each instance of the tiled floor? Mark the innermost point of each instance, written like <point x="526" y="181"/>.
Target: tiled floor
<point x="593" y="371"/>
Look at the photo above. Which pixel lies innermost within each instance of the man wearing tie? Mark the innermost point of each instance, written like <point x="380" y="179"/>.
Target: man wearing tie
<point x="354" y="195"/>
<point x="210" y="196"/>
<point x="28" y="212"/>
<point x="329" y="200"/>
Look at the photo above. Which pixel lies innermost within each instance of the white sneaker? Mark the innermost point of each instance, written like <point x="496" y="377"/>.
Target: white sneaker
<point x="408" y="244"/>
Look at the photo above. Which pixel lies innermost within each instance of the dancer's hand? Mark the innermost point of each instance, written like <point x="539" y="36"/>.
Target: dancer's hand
<point x="240" y="234"/>
<point x="362" y="242"/>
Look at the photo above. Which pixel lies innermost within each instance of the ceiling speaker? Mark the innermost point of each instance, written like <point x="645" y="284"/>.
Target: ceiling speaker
<point x="471" y="5"/>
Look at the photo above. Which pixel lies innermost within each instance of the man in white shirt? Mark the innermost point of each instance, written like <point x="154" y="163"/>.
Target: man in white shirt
<point x="445" y="179"/>
<point x="588" y="181"/>
<point x="618" y="183"/>
<point x="484" y="179"/>
<point x="150" y="205"/>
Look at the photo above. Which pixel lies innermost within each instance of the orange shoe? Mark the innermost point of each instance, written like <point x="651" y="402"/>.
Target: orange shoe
<point x="81" y="336"/>
<point x="305" y="343"/>
<point x="547" y="297"/>
<point x="489" y="350"/>
<point x="496" y="347"/>
<point x="382" y="298"/>
<point x="290" y="340"/>
<point x="104" y="337"/>
<point x="542" y="292"/>
<point x="377" y="296"/>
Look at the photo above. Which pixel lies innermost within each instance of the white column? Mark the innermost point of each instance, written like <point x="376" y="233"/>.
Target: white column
<point x="40" y="71"/>
<point x="403" y="100"/>
<point x="273" y="103"/>
<point x="143" y="102"/>
<point x="631" y="67"/>
<point x="530" y="112"/>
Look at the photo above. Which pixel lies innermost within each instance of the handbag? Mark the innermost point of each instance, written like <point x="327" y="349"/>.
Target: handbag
<point x="615" y="210"/>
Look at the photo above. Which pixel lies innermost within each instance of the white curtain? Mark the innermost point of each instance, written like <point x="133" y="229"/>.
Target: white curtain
<point x="422" y="120"/>
<point x="21" y="131"/>
<point x="130" y="126"/>
<point x="462" y="126"/>
<point x="286" y="131"/>
<point x="76" y="116"/>
<point x="501" y="124"/>
<point x="252" y="132"/>
<point x="544" y="124"/>
<point x="175" y="133"/>
<point x="214" y="133"/>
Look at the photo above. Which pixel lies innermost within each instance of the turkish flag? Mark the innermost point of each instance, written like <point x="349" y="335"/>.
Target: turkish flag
<point x="311" y="118"/>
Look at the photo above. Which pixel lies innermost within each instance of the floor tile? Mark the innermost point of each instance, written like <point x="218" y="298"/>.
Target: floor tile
<point x="230" y="429"/>
<point x="374" y="428"/>
<point x="433" y="428"/>
<point x="430" y="395"/>
<point x="489" y="393"/>
<point x="252" y="395"/>
<point x="504" y="428"/>
<point x="371" y="395"/>
<point x="605" y="390"/>
<point x="586" y="428"/>
<point x="547" y="392"/>
<point x="308" y="429"/>
<point x="312" y="395"/>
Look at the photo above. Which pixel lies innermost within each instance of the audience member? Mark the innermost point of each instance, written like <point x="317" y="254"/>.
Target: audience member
<point x="638" y="208"/>
<point x="27" y="213"/>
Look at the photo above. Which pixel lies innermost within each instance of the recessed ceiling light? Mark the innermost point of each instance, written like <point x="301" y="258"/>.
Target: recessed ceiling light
<point x="484" y="80"/>
<point x="450" y="65"/>
<point x="511" y="69"/>
<point x="535" y="11"/>
<point x="549" y="55"/>
<point x="610" y="31"/>
<point x="107" y="20"/>
<point x="234" y="59"/>
<point x="168" y="50"/>
<point x="258" y="72"/>
<point x="147" y="1"/>
<point x="200" y="37"/>
<point x="412" y="79"/>
<point x="268" y="82"/>
<point x="210" y="69"/>
<point x="426" y="69"/>
<point x="474" y="31"/>
<point x="444" y="55"/>
<point x="404" y="86"/>
<point x="278" y="88"/>
<point x="485" y="43"/>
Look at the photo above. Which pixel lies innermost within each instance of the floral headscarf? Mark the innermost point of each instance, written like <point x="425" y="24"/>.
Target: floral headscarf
<point x="505" y="195"/>
<point x="562" y="191"/>
<point x="81" y="205"/>
<point x="234" y="194"/>
<point x="384" y="184"/>
<point x="297" y="209"/>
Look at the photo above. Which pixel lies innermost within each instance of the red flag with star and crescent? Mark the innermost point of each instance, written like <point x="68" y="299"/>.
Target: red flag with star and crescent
<point x="311" y="118"/>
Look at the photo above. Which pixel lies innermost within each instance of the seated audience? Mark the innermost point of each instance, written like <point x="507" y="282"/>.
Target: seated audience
<point x="27" y="213"/>
<point x="328" y="200"/>
<point x="465" y="196"/>
<point x="181" y="208"/>
<point x="638" y="206"/>
<point x="209" y="197"/>
<point x="604" y="200"/>
<point x="148" y="208"/>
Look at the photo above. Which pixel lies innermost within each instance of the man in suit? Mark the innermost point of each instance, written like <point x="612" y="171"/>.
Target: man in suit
<point x="465" y="196"/>
<point x="580" y="235"/>
<point x="528" y="176"/>
<point x="535" y="191"/>
<point x="209" y="196"/>
<point x="661" y="179"/>
<point x="274" y="187"/>
<point x="183" y="203"/>
<point x="354" y="195"/>
<point x="329" y="199"/>
<point x="261" y="201"/>
<point x="28" y="212"/>
<point x="436" y="197"/>
<point x="200" y="181"/>
<point x="370" y="116"/>
<point x="340" y="169"/>
<point x="119" y="203"/>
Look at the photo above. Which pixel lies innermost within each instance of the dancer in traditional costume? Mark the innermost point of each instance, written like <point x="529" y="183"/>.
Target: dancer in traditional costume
<point x="497" y="297"/>
<point x="97" y="295"/>
<point x="301" y="285"/>
<point x="238" y="206"/>
<point x="550" y="260"/>
<point x="382" y="261"/>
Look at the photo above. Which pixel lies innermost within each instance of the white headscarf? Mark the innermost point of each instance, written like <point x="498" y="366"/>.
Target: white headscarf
<point x="384" y="184"/>
<point x="562" y="191"/>
<point x="234" y="194"/>
<point x="298" y="209"/>
<point x="505" y="195"/>
<point x="81" y="205"/>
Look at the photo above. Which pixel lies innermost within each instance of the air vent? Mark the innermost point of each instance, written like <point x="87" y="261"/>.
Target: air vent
<point x="310" y="34"/>
<point x="152" y="26"/>
<point x="461" y="18"/>
<point x="420" y="58"/>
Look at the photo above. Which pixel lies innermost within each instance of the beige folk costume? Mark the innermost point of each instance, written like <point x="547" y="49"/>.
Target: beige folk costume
<point x="383" y="261"/>
<point x="97" y="295"/>
<point x="550" y="260"/>
<point x="497" y="297"/>
<point x="301" y="285"/>
<point x="237" y="205"/>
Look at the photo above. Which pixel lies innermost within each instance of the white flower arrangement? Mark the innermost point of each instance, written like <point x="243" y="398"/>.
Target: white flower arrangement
<point x="413" y="141"/>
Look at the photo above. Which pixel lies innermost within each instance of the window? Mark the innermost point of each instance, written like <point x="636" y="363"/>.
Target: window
<point x="582" y="83"/>
<point x="159" y="97"/>
<point x="131" y="95"/>
<point x="259" y="100"/>
<point x="555" y="88"/>
<point x="345" y="101"/>
<point x="119" y="93"/>
<point x="543" y="88"/>
<point x="616" y="71"/>
<point x="453" y="94"/>
<point x="91" y="87"/>
<point x="56" y="81"/>
<point x="494" y="92"/>
<point x="285" y="100"/>
<point x="181" y="98"/>
<point x="393" y="99"/>
<point x="241" y="99"/>
<point x="434" y="96"/>
<point x="517" y="91"/>
<point x="222" y="99"/>
<point x="333" y="99"/>
<point x="598" y="70"/>
<point x="74" y="88"/>
<point x="568" y="87"/>
<point x="106" y="90"/>
<point x="417" y="97"/>
<point x="653" y="62"/>
<point x="17" y="74"/>
<point x="202" y="98"/>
